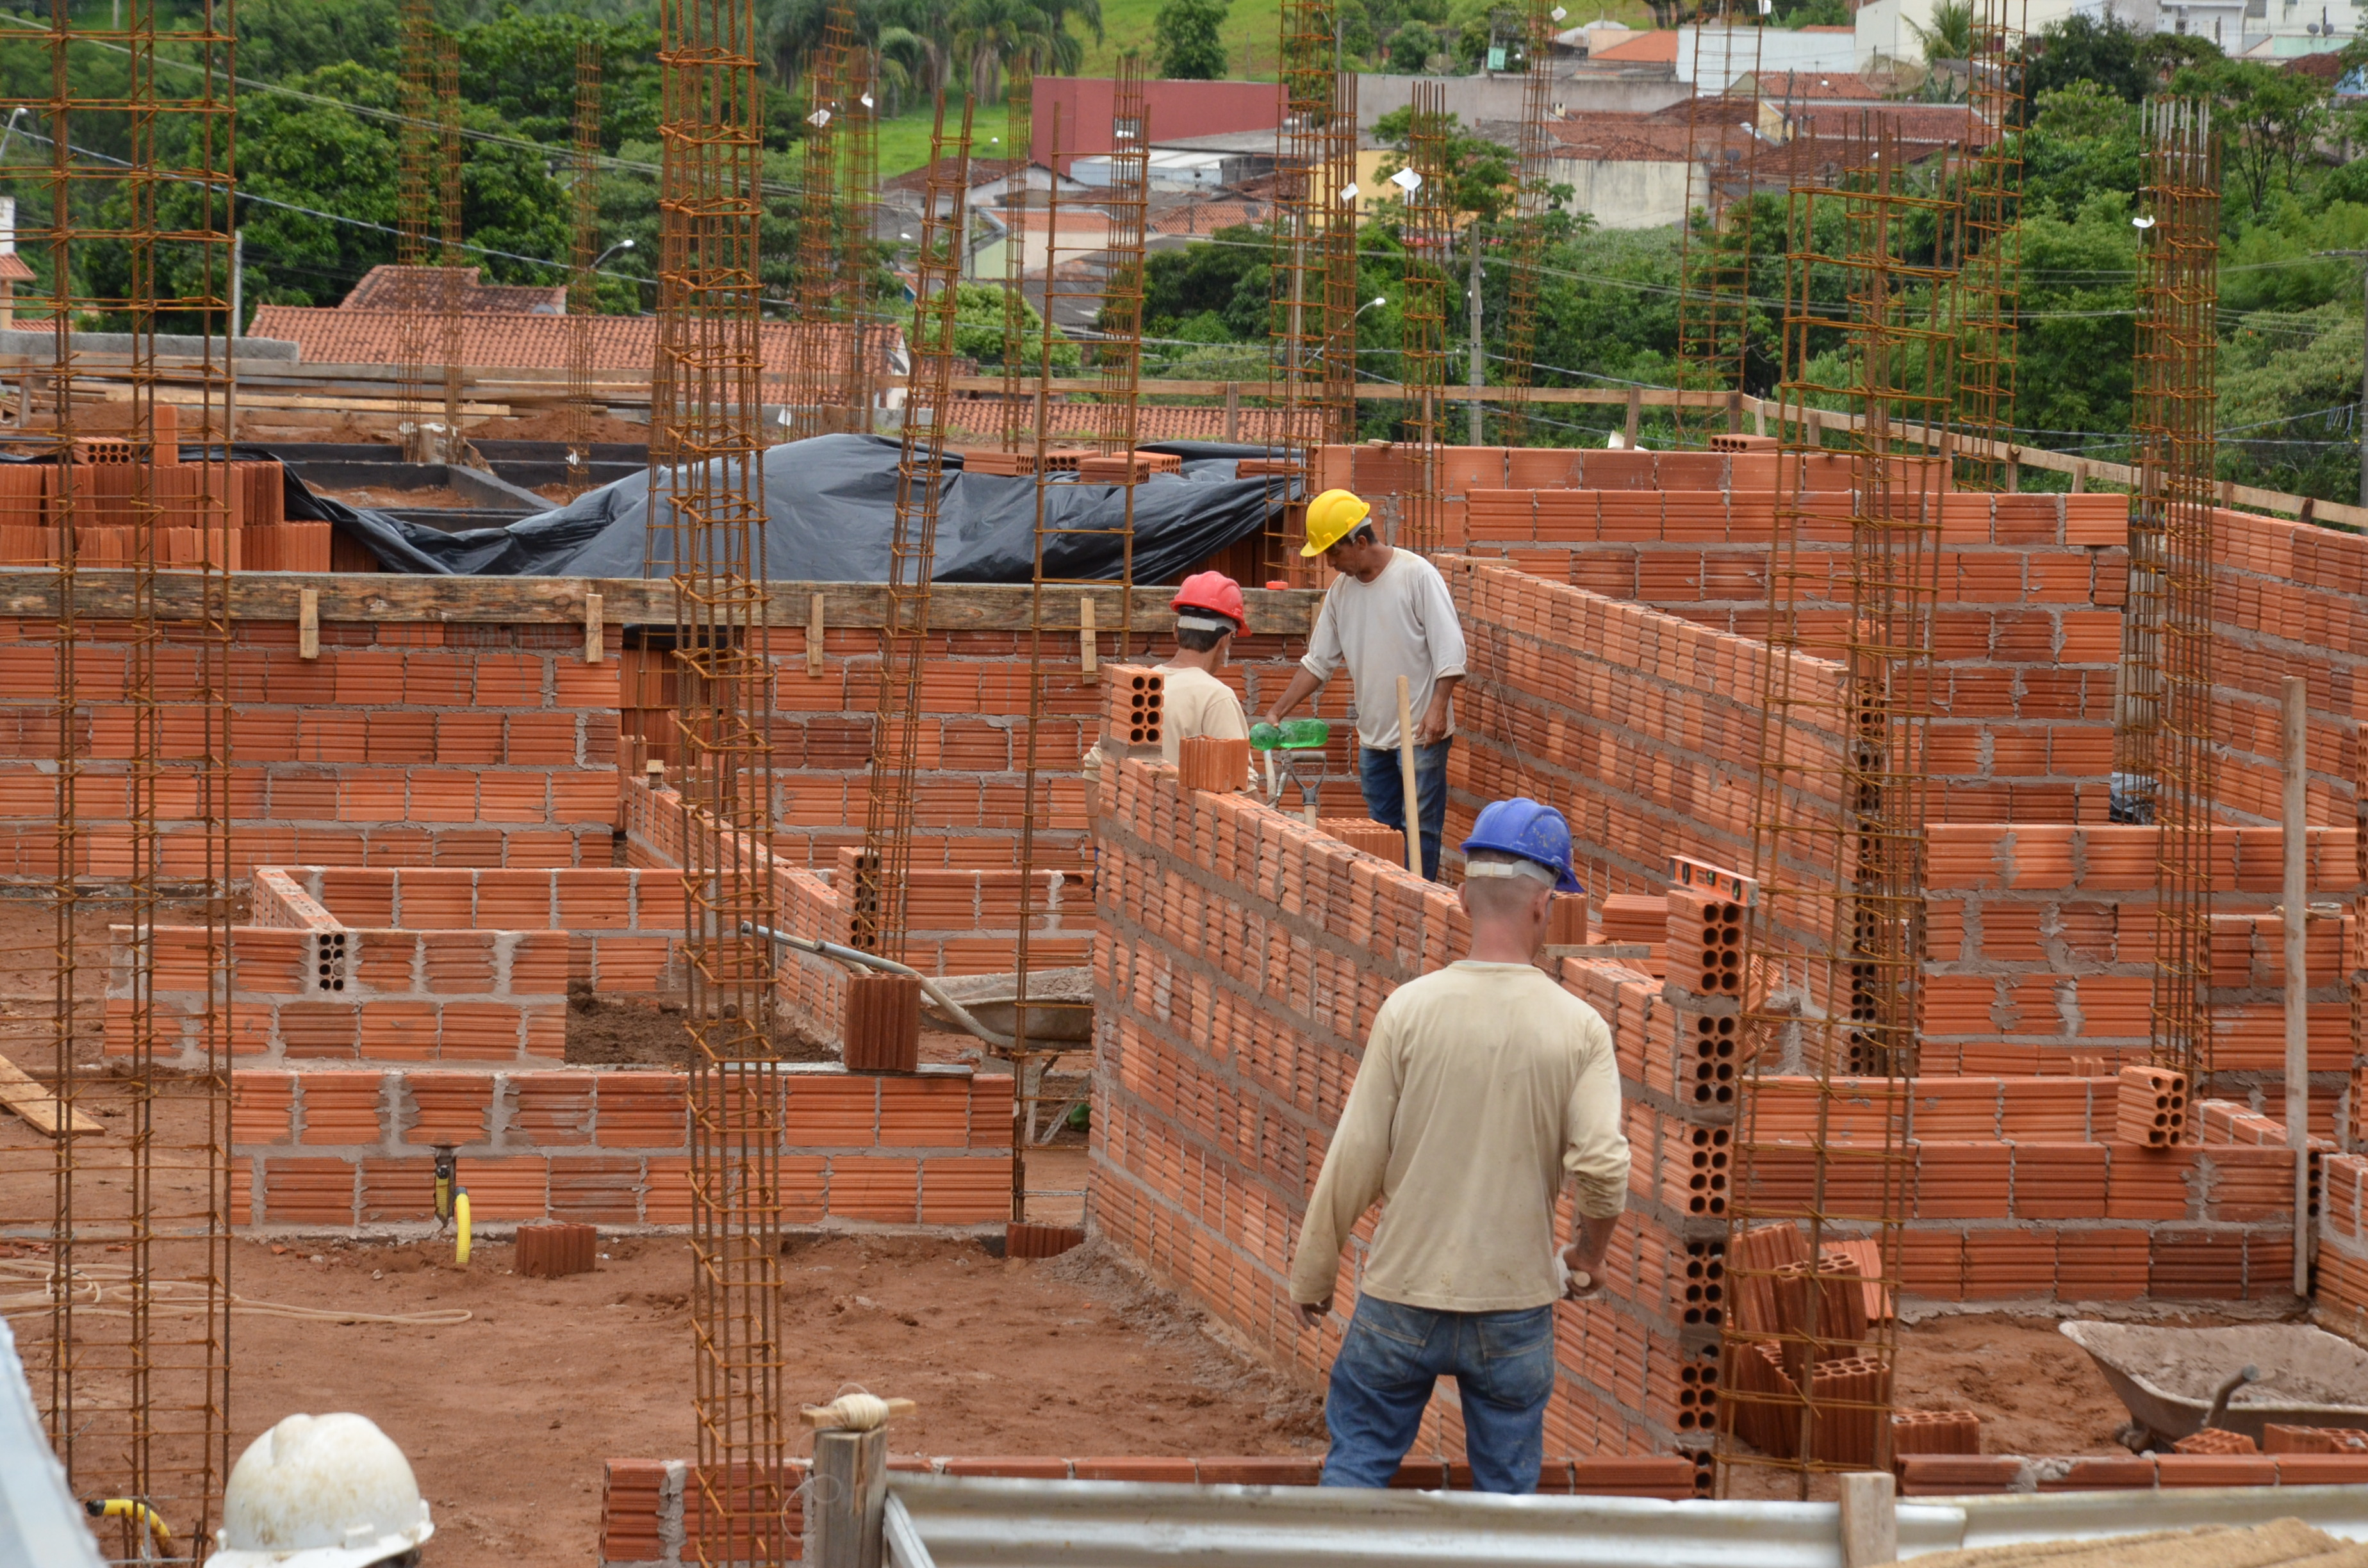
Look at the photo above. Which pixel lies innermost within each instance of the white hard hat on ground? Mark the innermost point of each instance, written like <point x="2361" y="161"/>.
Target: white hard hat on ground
<point x="320" y="1492"/>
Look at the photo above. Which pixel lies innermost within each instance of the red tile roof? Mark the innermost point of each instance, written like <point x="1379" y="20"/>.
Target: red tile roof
<point x="1659" y="44"/>
<point x="982" y="171"/>
<point x="13" y="268"/>
<point x="396" y="287"/>
<point x="620" y="344"/>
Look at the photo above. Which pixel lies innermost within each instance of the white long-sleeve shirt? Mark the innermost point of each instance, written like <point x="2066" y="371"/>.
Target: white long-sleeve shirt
<point x="1484" y="1085"/>
<point x="1401" y="623"/>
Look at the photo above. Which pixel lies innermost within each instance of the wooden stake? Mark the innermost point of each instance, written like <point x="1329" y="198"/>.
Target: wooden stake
<point x="2296" y="921"/>
<point x="1635" y="415"/>
<point x="1089" y="657"/>
<point x="814" y="638"/>
<point x="849" y="1501"/>
<point x="308" y="623"/>
<point x="1870" y="1519"/>
<point x="593" y="649"/>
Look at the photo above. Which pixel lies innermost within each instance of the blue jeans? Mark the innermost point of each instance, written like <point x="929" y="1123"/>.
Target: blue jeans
<point x="1503" y="1364"/>
<point x="1378" y="776"/>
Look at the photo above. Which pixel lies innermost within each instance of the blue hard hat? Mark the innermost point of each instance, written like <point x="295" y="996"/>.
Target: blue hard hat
<point x="1535" y="832"/>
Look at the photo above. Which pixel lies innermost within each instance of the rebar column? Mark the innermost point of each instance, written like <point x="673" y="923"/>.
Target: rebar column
<point x="1428" y="234"/>
<point x="2163" y="769"/>
<point x="704" y="454"/>
<point x="583" y="281"/>
<point x="1723" y="140"/>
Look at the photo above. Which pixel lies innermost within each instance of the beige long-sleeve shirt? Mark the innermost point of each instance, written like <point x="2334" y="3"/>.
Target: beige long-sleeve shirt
<point x="1484" y="1085"/>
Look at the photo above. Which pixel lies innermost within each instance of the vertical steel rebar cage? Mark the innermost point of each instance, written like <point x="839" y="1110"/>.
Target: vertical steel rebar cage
<point x="416" y="212"/>
<point x="881" y="873"/>
<point x="130" y="1360"/>
<point x="817" y="293"/>
<point x="2163" y="767"/>
<point x="1532" y="201"/>
<point x="1722" y="141"/>
<point x="1119" y="347"/>
<point x="1016" y="427"/>
<point x="1990" y="280"/>
<point x="705" y="446"/>
<point x="858" y="358"/>
<point x="1428" y="231"/>
<point x="583" y="281"/>
<point x="1836" y="937"/>
<point x="452" y="297"/>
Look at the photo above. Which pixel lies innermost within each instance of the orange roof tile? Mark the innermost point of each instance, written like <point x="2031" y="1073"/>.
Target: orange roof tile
<point x="1649" y="48"/>
<point x="393" y="288"/>
<point x="517" y="341"/>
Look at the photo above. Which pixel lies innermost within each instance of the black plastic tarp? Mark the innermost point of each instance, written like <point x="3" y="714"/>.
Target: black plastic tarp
<point x="830" y="512"/>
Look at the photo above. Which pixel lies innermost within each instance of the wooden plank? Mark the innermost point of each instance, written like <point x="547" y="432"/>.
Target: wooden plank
<point x="33" y="1102"/>
<point x="31" y="592"/>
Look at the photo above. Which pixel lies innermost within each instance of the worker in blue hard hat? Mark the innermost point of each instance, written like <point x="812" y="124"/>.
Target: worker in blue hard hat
<point x="1485" y="1086"/>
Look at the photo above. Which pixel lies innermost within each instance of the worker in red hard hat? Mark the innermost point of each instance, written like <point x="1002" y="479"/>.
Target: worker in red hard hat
<point x="1209" y="615"/>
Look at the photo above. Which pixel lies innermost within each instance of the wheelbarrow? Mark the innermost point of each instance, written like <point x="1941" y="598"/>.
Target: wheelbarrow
<point x="1060" y="1004"/>
<point x="2175" y="1381"/>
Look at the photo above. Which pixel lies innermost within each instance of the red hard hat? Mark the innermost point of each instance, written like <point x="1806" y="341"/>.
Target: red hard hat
<point x="1215" y="591"/>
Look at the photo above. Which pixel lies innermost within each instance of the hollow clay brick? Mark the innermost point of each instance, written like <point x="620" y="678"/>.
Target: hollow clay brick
<point x="549" y="1252"/>
<point x="882" y="1029"/>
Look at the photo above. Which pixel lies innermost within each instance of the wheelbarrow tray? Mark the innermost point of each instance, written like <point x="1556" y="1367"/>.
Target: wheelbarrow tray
<point x="2164" y="1376"/>
<point x="1060" y="1003"/>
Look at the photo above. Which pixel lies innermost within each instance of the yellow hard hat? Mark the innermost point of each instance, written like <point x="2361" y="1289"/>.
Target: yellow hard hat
<point x="1331" y="517"/>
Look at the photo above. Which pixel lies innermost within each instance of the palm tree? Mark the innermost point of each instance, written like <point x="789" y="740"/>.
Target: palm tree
<point x="1951" y="36"/>
<point x="989" y="34"/>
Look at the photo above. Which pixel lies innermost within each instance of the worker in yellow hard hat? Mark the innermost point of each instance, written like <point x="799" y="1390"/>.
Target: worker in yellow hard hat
<point x="1386" y="615"/>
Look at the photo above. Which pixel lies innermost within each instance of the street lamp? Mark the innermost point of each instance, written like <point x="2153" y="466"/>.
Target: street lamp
<point x="620" y="244"/>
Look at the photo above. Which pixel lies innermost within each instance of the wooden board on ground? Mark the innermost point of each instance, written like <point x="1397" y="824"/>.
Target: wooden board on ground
<point x="32" y="1101"/>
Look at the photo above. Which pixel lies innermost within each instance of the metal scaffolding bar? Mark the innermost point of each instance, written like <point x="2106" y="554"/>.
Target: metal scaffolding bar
<point x="1836" y="938"/>
<point x="881" y="874"/>
<point x="704" y="452"/>
<point x="2163" y="770"/>
<point x="583" y="280"/>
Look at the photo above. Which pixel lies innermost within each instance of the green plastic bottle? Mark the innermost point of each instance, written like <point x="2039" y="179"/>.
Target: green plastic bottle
<point x="1292" y="734"/>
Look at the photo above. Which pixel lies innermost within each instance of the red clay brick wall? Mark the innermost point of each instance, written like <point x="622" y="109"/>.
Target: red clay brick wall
<point x="2288" y="600"/>
<point x="411" y="744"/>
<point x="327" y="1149"/>
<point x="2042" y="946"/>
<point x="1639" y="726"/>
<point x="973" y="745"/>
<point x="1243" y="958"/>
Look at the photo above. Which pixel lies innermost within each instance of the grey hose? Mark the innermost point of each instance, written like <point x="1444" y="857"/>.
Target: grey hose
<point x="873" y="960"/>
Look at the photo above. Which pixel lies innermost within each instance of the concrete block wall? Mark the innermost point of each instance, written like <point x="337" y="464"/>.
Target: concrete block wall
<point x="2041" y="948"/>
<point x="1636" y="725"/>
<point x="404" y="743"/>
<point x="329" y="1149"/>
<point x="974" y="741"/>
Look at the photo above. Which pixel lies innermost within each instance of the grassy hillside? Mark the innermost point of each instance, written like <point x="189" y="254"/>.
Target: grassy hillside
<point x="1249" y="37"/>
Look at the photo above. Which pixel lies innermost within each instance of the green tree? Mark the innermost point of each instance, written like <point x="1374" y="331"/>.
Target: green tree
<point x="522" y="66"/>
<point x="1411" y="46"/>
<point x="1185" y="36"/>
<point x="978" y="329"/>
<point x="2270" y="120"/>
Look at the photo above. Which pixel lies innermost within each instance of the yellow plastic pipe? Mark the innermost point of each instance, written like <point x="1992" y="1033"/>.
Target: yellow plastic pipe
<point x="460" y="1227"/>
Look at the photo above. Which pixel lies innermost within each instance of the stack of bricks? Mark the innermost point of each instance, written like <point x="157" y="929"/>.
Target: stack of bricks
<point x="2041" y="938"/>
<point x="974" y="738"/>
<point x="329" y="1149"/>
<point x="197" y="515"/>
<point x="403" y="743"/>
<point x="649" y="1509"/>
<point x="1365" y="833"/>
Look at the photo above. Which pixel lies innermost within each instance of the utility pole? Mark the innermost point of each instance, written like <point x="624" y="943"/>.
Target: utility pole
<point x="1478" y="374"/>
